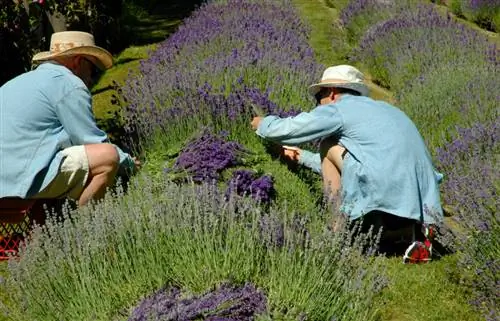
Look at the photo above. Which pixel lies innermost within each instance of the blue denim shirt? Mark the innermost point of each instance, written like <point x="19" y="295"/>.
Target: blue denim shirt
<point x="42" y="112"/>
<point x="388" y="166"/>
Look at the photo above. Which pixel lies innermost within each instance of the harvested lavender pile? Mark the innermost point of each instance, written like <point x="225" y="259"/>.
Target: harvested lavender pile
<point x="226" y="303"/>
<point x="206" y="156"/>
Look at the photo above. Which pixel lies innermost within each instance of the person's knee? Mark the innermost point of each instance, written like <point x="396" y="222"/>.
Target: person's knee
<point x="103" y="158"/>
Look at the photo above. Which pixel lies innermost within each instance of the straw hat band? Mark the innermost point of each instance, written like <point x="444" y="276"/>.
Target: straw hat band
<point x="336" y="81"/>
<point x="63" y="46"/>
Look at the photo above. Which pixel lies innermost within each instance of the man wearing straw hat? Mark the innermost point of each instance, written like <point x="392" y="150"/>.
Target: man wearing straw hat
<point x="371" y="154"/>
<point x="50" y="145"/>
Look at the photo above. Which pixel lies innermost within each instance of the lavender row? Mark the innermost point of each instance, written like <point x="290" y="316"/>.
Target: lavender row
<point x="223" y="48"/>
<point x="102" y="261"/>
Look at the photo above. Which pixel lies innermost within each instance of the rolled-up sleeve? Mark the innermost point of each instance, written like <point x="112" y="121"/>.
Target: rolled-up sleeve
<point x="74" y="111"/>
<point x="321" y="122"/>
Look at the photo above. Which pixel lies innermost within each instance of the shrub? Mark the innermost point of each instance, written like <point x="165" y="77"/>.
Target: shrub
<point x="360" y="15"/>
<point x="433" y="96"/>
<point x="99" y="261"/>
<point x="470" y="159"/>
<point x="232" y="47"/>
<point x="228" y="62"/>
<point x="399" y="50"/>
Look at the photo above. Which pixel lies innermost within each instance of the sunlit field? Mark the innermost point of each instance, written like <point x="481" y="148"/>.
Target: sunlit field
<point x="218" y="226"/>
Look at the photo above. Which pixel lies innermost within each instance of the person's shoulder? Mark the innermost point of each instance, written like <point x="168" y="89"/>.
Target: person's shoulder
<point x="59" y="74"/>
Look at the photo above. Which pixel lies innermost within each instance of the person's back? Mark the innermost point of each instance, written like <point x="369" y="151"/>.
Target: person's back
<point x="29" y="125"/>
<point x="390" y="161"/>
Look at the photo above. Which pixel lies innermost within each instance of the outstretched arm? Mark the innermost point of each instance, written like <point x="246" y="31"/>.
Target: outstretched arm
<point x="307" y="126"/>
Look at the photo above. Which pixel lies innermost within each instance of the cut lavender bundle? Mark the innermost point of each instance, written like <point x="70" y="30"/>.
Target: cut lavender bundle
<point x="206" y="156"/>
<point x="247" y="182"/>
<point x="227" y="302"/>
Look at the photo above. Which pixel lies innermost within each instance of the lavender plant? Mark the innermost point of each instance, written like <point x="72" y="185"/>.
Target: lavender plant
<point x="225" y="47"/>
<point x="434" y="96"/>
<point x="399" y="50"/>
<point x="227" y="57"/>
<point x="472" y="188"/>
<point x="101" y="260"/>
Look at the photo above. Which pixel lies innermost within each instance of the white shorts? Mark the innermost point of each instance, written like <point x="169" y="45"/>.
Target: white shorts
<point x="72" y="176"/>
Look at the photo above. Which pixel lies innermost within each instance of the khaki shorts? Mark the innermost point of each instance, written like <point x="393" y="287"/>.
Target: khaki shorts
<point x="72" y="176"/>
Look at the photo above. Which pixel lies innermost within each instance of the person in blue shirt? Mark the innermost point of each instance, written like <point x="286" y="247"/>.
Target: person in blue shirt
<point x="371" y="154"/>
<point x="50" y="145"/>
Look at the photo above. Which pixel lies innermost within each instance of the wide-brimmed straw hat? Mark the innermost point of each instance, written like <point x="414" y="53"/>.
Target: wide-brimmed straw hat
<point x="342" y="76"/>
<point x="71" y="43"/>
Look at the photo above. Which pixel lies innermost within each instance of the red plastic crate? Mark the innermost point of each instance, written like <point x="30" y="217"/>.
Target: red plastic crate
<point x="16" y="218"/>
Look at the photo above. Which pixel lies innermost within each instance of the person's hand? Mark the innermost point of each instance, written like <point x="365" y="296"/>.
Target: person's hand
<point x="291" y="153"/>
<point x="256" y="122"/>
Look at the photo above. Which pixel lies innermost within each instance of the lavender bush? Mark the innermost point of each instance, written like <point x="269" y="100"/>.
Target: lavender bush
<point x="399" y="50"/>
<point x="434" y="96"/>
<point x="223" y="48"/>
<point x="358" y="16"/>
<point x="471" y="160"/>
<point x="229" y="61"/>
<point x="100" y="261"/>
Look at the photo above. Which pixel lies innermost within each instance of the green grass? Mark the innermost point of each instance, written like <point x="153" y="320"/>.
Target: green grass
<point x="424" y="292"/>
<point x="126" y="62"/>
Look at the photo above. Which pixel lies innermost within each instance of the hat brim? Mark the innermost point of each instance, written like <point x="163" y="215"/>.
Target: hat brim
<point x="359" y="87"/>
<point x="102" y="58"/>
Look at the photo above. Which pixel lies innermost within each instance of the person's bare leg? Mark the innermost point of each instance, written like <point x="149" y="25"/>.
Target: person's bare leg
<point x="103" y="165"/>
<point x="331" y="169"/>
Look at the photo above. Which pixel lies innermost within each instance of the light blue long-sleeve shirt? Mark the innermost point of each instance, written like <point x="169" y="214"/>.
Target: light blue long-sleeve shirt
<point x="41" y="113"/>
<point x="387" y="168"/>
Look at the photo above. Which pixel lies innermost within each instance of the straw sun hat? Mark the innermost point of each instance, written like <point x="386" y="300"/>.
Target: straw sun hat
<point x="71" y="43"/>
<point x="342" y="76"/>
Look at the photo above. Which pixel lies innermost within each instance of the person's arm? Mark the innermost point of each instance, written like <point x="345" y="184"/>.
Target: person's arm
<point x="75" y="114"/>
<point x="303" y="157"/>
<point x="307" y="126"/>
<point x="311" y="160"/>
